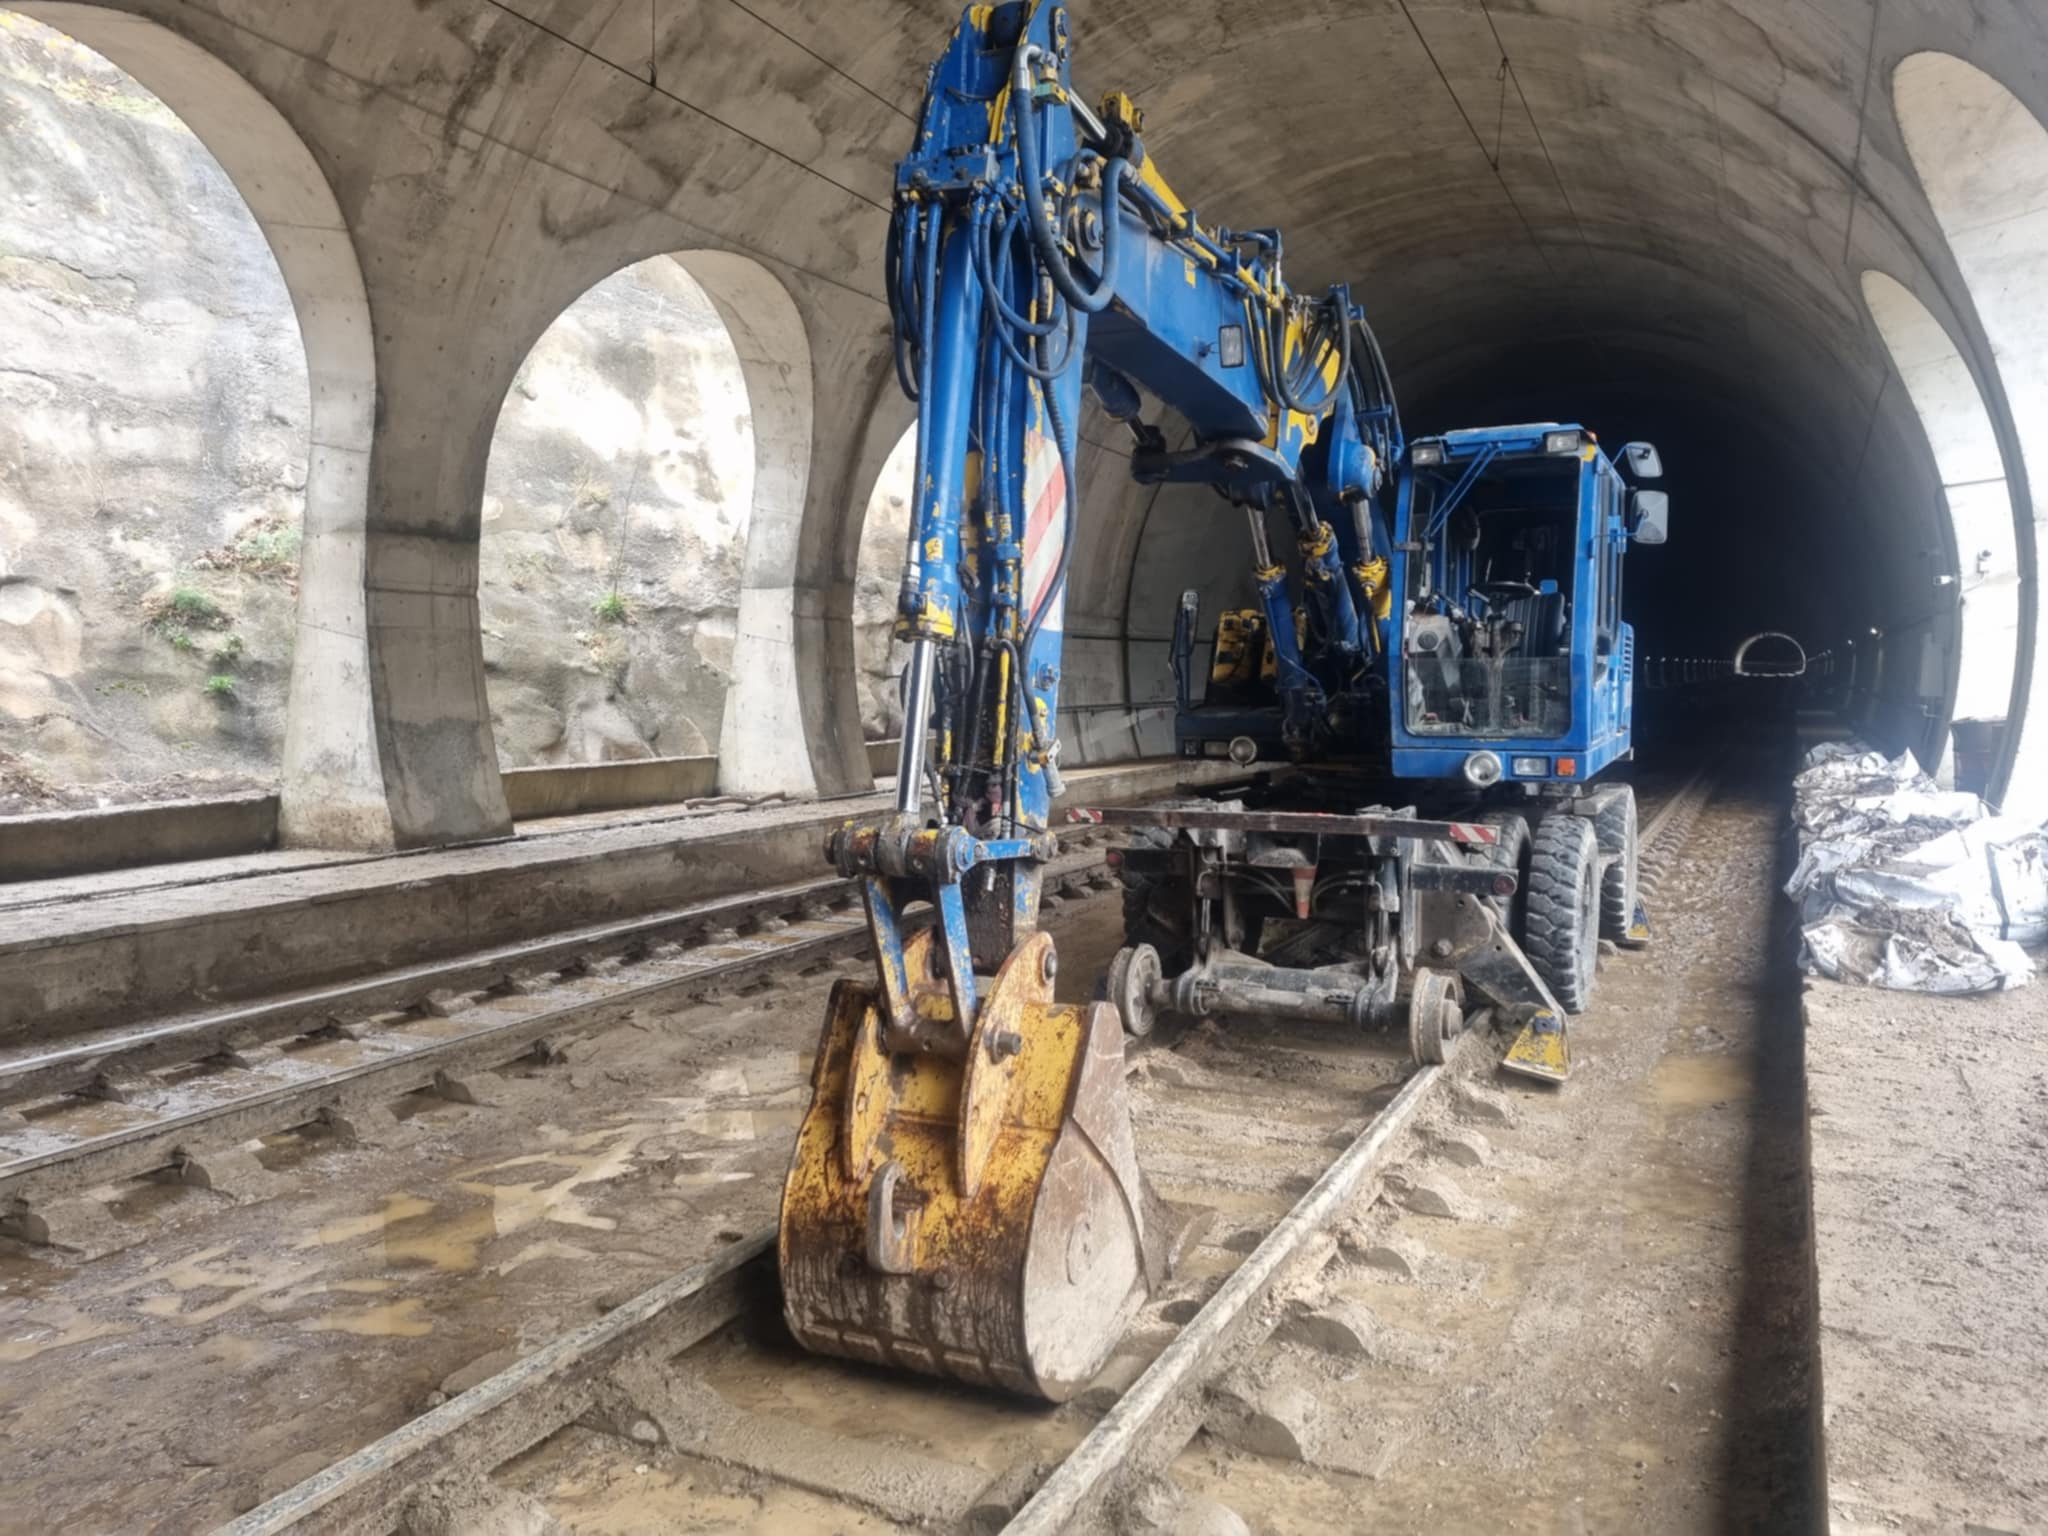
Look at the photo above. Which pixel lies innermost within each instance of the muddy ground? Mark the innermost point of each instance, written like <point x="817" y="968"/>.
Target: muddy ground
<point x="1613" y="1332"/>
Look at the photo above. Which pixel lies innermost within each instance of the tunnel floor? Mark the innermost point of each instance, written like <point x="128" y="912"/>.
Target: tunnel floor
<point x="1614" y="1331"/>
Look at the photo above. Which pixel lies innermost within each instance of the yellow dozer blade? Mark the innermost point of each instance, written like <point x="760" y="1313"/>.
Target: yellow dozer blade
<point x="983" y="1217"/>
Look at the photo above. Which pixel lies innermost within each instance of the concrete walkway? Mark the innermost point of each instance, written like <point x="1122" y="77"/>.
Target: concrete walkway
<point x="133" y="943"/>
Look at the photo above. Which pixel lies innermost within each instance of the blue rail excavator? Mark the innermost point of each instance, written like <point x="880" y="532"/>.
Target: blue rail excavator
<point x="1420" y="699"/>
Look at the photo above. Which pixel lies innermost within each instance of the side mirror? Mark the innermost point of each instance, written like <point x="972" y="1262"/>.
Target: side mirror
<point x="1642" y="461"/>
<point x="1649" y="516"/>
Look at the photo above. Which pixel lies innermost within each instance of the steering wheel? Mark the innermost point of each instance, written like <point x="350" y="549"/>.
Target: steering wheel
<point x="1499" y="592"/>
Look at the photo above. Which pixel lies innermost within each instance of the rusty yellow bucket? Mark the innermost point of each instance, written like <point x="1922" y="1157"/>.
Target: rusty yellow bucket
<point x="981" y="1216"/>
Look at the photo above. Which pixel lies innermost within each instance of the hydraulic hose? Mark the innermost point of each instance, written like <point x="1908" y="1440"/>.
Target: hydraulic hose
<point x="1051" y="257"/>
<point x="993" y="272"/>
<point x="1315" y="344"/>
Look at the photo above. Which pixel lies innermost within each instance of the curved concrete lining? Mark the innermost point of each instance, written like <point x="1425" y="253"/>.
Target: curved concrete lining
<point x="332" y="792"/>
<point x="1982" y="571"/>
<point x="1655" y="220"/>
<point x="1982" y="155"/>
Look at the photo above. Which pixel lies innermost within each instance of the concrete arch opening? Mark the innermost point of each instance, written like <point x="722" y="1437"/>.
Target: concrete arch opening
<point x="617" y="504"/>
<point x="203" y="431"/>
<point x="1982" y="159"/>
<point x="645" y="469"/>
<point x="1984" y="573"/>
<point x="1770" y="653"/>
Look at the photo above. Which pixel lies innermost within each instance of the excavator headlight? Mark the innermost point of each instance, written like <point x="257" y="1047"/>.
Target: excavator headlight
<point x="1423" y="455"/>
<point x="1532" y="767"/>
<point x="1482" y="769"/>
<point x="1561" y="442"/>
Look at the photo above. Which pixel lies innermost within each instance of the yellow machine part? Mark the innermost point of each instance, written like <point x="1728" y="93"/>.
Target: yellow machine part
<point x="981" y="1218"/>
<point x="1542" y="1050"/>
<point x="1240" y="642"/>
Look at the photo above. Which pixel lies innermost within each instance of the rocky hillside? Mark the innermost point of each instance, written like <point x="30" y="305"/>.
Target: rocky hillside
<point x="153" y="442"/>
<point x="153" y="418"/>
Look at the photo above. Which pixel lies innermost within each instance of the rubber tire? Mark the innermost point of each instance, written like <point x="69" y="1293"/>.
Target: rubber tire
<point x="1158" y="911"/>
<point x="1511" y="854"/>
<point x="1564" y="908"/>
<point x="1615" y="828"/>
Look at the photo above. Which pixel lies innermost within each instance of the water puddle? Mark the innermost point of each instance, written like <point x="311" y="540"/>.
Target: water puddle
<point x="55" y="1325"/>
<point x="397" y="1208"/>
<point x="397" y="1320"/>
<point x="742" y="1124"/>
<point x="256" y="1282"/>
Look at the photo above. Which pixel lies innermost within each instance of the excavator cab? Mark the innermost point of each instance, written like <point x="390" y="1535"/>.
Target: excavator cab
<point x="1513" y="664"/>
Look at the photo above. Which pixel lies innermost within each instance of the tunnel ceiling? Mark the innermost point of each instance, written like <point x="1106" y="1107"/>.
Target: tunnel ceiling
<point x="1651" y="216"/>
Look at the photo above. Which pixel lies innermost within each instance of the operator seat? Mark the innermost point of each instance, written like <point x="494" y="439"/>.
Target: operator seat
<point x="1542" y="618"/>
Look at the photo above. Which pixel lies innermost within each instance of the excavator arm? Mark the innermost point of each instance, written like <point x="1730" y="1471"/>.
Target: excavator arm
<point x="964" y="1198"/>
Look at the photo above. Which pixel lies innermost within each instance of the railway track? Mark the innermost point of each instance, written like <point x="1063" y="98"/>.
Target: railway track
<point x="677" y="1373"/>
<point x="183" y="1097"/>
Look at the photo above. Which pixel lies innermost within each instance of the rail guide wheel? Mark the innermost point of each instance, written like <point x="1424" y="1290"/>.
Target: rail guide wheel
<point x="1133" y="973"/>
<point x="1436" y="1016"/>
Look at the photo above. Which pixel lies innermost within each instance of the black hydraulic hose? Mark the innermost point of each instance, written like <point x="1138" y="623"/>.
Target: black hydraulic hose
<point x="1383" y="388"/>
<point x="900" y="302"/>
<point x="1050" y="256"/>
<point x="1314" y="345"/>
<point x="1070" y="526"/>
<point x="994" y="273"/>
<point x="928" y="305"/>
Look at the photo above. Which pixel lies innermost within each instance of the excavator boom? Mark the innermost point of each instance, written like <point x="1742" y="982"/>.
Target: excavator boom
<point x="965" y="1198"/>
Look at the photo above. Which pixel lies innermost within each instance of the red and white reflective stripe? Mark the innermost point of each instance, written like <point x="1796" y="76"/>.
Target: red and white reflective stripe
<point x="1045" y="528"/>
<point x="1474" y="832"/>
<point x="1304" y="888"/>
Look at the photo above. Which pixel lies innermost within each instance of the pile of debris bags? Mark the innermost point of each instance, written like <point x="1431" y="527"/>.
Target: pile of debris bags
<point x="1906" y="885"/>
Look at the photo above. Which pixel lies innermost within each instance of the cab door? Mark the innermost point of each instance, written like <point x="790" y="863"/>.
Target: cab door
<point x="1613" y="641"/>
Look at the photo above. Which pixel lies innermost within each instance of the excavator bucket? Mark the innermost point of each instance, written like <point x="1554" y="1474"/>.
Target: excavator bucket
<point x="982" y="1218"/>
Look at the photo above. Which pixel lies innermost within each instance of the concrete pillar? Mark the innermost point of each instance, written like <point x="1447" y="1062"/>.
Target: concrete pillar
<point x="761" y="746"/>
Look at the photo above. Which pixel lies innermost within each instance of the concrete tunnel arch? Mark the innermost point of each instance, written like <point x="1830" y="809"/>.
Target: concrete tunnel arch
<point x="1782" y="666"/>
<point x="332" y="791"/>
<point x="1981" y="155"/>
<point x="1661" y="233"/>
<point x="1981" y="567"/>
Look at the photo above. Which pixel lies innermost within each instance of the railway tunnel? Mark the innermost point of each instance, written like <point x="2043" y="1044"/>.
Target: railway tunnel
<point x="1670" y="218"/>
<point x="1803" y="250"/>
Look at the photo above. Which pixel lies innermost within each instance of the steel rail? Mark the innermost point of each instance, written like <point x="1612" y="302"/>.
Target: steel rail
<point x="162" y="1141"/>
<point x="508" y="1413"/>
<point x="71" y="1067"/>
<point x="365" y="1492"/>
<point x="1162" y="1410"/>
<point x="1143" y="1431"/>
<point x="30" y="1177"/>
